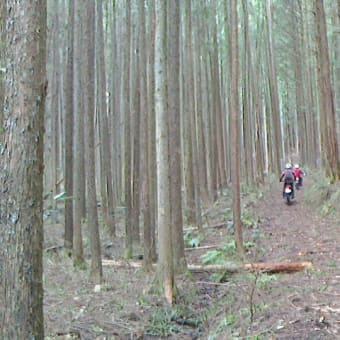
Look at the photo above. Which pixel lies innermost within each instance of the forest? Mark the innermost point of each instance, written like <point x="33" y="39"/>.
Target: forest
<point x="141" y="146"/>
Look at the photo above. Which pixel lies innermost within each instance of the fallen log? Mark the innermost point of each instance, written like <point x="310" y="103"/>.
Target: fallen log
<point x="279" y="267"/>
<point x="263" y="267"/>
<point x="202" y="247"/>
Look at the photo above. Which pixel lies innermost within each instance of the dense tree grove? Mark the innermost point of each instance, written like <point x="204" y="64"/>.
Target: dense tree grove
<point x="156" y="106"/>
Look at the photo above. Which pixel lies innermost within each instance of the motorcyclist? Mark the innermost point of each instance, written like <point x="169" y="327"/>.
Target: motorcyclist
<point x="298" y="174"/>
<point x="288" y="178"/>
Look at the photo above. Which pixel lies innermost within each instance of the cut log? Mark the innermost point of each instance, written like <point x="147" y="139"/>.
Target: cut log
<point x="269" y="267"/>
<point x="279" y="267"/>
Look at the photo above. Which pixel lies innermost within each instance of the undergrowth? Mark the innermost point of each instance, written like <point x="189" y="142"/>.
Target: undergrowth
<point x="321" y="194"/>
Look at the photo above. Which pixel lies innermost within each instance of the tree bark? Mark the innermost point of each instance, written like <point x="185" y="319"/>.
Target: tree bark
<point x="68" y="130"/>
<point x="175" y="136"/>
<point x="235" y="131"/>
<point x="127" y="137"/>
<point x="21" y="171"/>
<point x="78" y="150"/>
<point x="107" y="189"/>
<point x="2" y="58"/>
<point x="329" y="141"/>
<point x="96" y="265"/>
<point x="165" y="262"/>
<point x="274" y="96"/>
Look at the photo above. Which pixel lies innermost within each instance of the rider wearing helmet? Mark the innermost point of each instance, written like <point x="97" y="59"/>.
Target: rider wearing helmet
<point x="288" y="177"/>
<point x="298" y="174"/>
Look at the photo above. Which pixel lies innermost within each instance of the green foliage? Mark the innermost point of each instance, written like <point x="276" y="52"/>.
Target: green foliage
<point x="219" y="256"/>
<point x="328" y="209"/>
<point x="221" y="276"/>
<point x="222" y="255"/>
<point x="250" y="221"/>
<point x="264" y="280"/>
<point x="192" y="239"/>
<point x="321" y="194"/>
<point x="81" y="266"/>
<point x="165" y="320"/>
<point x="212" y="256"/>
<point x="332" y="264"/>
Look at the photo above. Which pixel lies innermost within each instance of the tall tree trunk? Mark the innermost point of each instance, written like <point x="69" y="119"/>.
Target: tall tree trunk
<point x="21" y="171"/>
<point x="144" y="165"/>
<point x="135" y="94"/>
<point x="235" y="128"/>
<point x="165" y="262"/>
<point x="127" y="137"/>
<point x="175" y="134"/>
<point x="301" y="145"/>
<point x="217" y="111"/>
<point x="152" y="168"/>
<point x="248" y="105"/>
<point x="96" y="264"/>
<point x="68" y="130"/>
<point x="52" y="102"/>
<point x="329" y="142"/>
<point x="107" y="190"/>
<point x="188" y="111"/>
<point x="313" y="138"/>
<point x="2" y="58"/>
<point x="78" y="129"/>
<point x="274" y="99"/>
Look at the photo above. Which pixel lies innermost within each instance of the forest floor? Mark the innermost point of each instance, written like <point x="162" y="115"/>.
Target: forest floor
<point x="244" y="305"/>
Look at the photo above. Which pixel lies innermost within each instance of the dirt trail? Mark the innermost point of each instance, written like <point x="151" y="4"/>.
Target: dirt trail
<point x="301" y="306"/>
<point x="308" y="303"/>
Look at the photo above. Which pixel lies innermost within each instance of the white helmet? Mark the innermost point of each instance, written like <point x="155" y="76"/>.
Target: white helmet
<point x="296" y="166"/>
<point x="288" y="166"/>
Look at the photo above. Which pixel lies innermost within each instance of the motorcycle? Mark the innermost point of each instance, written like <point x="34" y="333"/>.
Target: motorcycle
<point x="298" y="183"/>
<point x="288" y="193"/>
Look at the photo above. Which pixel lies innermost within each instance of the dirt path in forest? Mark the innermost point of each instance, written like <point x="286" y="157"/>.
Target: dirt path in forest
<point x="309" y="302"/>
<point x="300" y="306"/>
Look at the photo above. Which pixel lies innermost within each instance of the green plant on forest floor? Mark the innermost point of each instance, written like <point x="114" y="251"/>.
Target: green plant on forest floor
<point x="193" y="239"/>
<point x="165" y="321"/>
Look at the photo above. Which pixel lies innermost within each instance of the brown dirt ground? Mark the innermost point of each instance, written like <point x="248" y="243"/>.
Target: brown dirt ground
<point x="304" y="305"/>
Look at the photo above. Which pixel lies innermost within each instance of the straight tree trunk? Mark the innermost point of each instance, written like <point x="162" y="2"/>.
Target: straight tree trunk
<point x="96" y="264"/>
<point x="329" y="141"/>
<point x="52" y="103"/>
<point x="313" y="139"/>
<point x="217" y="112"/>
<point x="188" y="111"/>
<point x="78" y="130"/>
<point x="21" y="171"/>
<point x="135" y="94"/>
<point x="274" y="99"/>
<point x="235" y="126"/>
<point x="175" y="134"/>
<point x="165" y="262"/>
<point x="68" y="130"/>
<point x="299" y="61"/>
<point x="201" y="100"/>
<point x="127" y="137"/>
<point x="145" y="116"/>
<point x="248" y="105"/>
<point x="152" y="168"/>
<point x="107" y="190"/>
<point x="2" y="58"/>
